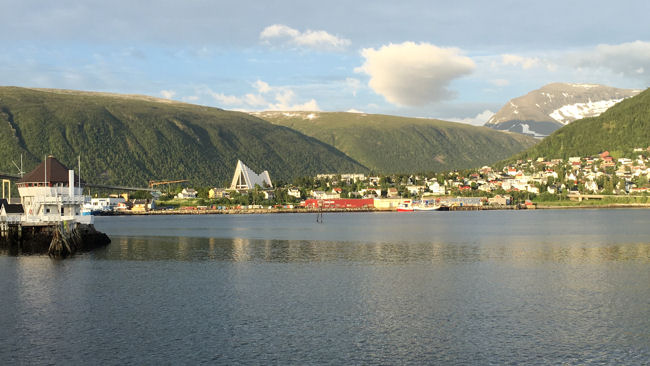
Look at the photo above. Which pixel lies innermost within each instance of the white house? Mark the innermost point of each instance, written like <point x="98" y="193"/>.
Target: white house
<point x="294" y="192"/>
<point x="322" y="195"/>
<point x="187" y="193"/>
<point x="436" y="188"/>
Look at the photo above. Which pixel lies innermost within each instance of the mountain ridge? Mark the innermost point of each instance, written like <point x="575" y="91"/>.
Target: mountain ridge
<point x="130" y="140"/>
<point x="544" y="110"/>
<point x="620" y="129"/>
<point x="392" y="144"/>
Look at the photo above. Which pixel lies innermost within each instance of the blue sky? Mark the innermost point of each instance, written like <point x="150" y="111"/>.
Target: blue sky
<point x="451" y="60"/>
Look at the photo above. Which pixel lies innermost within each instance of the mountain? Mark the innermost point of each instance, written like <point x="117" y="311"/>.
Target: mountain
<point x="545" y="110"/>
<point x="126" y="139"/>
<point x="620" y="130"/>
<point x="390" y="144"/>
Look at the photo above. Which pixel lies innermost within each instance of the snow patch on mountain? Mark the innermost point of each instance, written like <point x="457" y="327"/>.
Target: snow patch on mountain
<point x="527" y="131"/>
<point x="571" y="112"/>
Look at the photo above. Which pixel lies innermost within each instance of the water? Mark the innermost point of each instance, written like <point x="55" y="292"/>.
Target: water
<point x="494" y="287"/>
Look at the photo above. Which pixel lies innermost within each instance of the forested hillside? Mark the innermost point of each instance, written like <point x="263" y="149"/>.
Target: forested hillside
<point x="131" y="139"/>
<point x="391" y="144"/>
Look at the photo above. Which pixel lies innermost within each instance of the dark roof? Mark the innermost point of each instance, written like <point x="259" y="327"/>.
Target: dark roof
<point x="56" y="173"/>
<point x="11" y="208"/>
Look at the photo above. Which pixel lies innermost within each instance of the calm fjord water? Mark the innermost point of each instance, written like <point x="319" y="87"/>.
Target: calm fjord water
<point x="492" y="287"/>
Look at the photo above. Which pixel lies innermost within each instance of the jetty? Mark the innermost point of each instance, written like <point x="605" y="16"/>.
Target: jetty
<point x="49" y="217"/>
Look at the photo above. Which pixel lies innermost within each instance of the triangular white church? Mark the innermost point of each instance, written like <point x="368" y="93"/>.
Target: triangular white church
<point x="245" y="178"/>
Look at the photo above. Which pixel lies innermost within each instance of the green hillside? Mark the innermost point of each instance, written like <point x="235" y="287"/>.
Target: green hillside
<point x="390" y="144"/>
<point x="621" y="128"/>
<point x="131" y="139"/>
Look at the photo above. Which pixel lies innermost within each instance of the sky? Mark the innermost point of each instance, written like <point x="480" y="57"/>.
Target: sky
<point x="459" y="61"/>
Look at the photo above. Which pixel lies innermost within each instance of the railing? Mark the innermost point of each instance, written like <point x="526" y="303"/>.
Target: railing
<point x="60" y="199"/>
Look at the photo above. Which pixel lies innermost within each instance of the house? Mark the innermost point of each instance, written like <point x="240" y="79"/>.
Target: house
<point x="415" y="190"/>
<point x="218" y="193"/>
<point x="140" y="205"/>
<point x="355" y="177"/>
<point x="392" y="193"/>
<point x="123" y="206"/>
<point x="104" y="204"/>
<point x="294" y="192"/>
<point x="322" y="195"/>
<point x="591" y="185"/>
<point x="187" y="193"/>
<point x="436" y="188"/>
<point x="9" y="211"/>
<point x="499" y="200"/>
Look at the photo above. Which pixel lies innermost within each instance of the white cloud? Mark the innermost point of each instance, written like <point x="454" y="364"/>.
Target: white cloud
<point x="261" y="86"/>
<point x="167" y="94"/>
<point x="310" y="105"/>
<point x="352" y="110"/>
<point x="630" y="59"/>
<point x="319" y="40"/>
<point x="414" y="74"/>
<point x="266" y="97"/>
<point x="225" y="99"/>
<point x="527" y="63"/>
<point x="478" y="120"/>
<point x="516" y="60"/>
<point x="255" y="100"/>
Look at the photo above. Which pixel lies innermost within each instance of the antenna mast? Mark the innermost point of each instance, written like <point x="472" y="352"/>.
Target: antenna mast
<point x="20" y="169"/>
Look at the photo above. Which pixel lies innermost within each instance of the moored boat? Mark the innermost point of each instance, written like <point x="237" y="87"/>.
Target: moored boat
<point x="405" y="206"/>
<point x="426" y="207"/>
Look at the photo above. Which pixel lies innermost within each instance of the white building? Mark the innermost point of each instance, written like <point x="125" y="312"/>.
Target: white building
<point x="246" y="179"/>
<point x="294" y="192"/>
<point x="187" y="193"/>
<point x="107" y="204"/>
<point x="50" y="193"/>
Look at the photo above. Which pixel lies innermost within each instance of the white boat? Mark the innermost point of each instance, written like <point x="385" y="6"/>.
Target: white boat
<point x="426" y="207"/>
<point x="405" y="207"/>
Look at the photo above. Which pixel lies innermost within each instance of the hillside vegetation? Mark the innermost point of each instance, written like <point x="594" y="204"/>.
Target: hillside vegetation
<point x="129" y="139"/>
<point x="390" y="144"/>
<point x="621" y="128"/>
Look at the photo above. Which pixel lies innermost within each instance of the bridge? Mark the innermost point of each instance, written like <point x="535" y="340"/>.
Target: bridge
<point x="100" y="186"/>
<point x="579" y="197"/>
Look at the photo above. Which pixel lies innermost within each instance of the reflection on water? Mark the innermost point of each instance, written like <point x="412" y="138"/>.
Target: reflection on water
<point x="246" y="250"/>
<point x="468" y="288"/>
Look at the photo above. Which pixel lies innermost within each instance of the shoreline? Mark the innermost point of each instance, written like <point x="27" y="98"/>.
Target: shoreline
<point x="312" y="211"/>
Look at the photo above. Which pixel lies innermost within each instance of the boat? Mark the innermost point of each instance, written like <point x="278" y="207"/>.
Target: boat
<point x="405" y="207"/>
<point x="426" y="207"/>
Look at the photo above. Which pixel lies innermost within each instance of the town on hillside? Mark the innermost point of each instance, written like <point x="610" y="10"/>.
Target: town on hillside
<point x="602" y="178"/>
